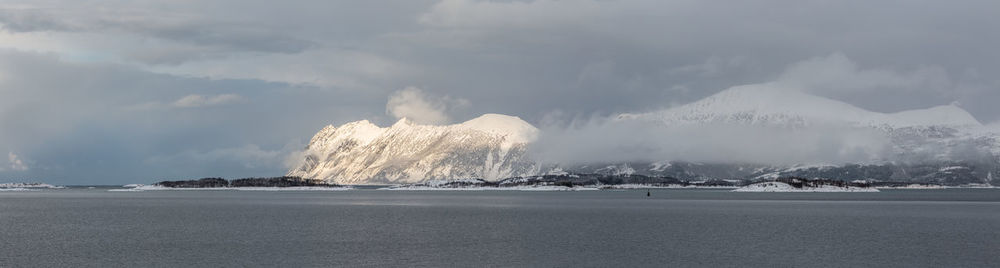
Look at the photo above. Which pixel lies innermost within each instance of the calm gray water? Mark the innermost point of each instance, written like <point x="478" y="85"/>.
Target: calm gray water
<point x="676" y="228"/>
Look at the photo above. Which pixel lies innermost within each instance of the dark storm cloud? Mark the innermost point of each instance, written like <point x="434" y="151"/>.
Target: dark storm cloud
<point x="169" y="84"/>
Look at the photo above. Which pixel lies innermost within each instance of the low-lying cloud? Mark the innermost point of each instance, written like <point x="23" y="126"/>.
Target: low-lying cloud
<point x="612" y="139"/>
<point x="605" y="140"/>
<point x="838" y="73"/>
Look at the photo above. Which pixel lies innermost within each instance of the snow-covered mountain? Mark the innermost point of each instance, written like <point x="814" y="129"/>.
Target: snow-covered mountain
<point x="490" y="147"/>
<point x="939" y="133"/>
<point x="927" y="144"/>
<point x="764" y="104"/>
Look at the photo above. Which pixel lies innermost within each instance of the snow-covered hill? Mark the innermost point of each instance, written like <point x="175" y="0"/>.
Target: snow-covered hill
<point x="764" y="104"/>
<point x="941" y="133"/>
<point x="490" y="147"/>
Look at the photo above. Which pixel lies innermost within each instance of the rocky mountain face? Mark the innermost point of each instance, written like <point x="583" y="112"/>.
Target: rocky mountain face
<point x="490" y="147"/>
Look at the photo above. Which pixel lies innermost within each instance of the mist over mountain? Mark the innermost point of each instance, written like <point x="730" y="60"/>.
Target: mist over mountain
<point x="766" y="124"/>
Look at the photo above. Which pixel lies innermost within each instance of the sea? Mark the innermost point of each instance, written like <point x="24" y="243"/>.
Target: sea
<point x="94" y="227"/>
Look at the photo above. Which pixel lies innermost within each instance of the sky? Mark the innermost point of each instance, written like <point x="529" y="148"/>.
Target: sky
<point x="112" y="92"/>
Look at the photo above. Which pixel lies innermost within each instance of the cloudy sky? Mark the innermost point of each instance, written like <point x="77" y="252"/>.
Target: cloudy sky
<point x="105" y="92"/>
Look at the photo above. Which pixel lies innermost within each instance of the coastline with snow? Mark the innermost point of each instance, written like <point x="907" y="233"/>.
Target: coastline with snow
<point x="29" y="185"/>
<point x="781" y="187"/>
<point x="632" y="186"/>
<point x="26" y="186"/>
<point x="543" y="188"/>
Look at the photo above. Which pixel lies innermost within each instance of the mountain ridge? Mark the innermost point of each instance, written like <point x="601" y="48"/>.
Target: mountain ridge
<point x="491" y="146"/>
<point x="767" y="104"/>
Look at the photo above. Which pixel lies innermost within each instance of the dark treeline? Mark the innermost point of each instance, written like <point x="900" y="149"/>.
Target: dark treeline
<point x="283" y="181"/>
<point x="199" y="183"/>
<point x="799" y="182"/>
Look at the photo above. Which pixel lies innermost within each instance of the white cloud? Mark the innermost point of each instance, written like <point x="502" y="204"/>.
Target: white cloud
<point x="602" y="140"/>
<point x="15" y="163"/>
<point x="411" y="103"/>
<point x="195" y="100"/>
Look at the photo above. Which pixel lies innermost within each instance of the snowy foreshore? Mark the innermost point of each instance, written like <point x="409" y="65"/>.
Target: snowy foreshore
<point x="17" y="190"/>
<point x="488" y="188"/>
<point x="669" y="186"/>
<point x="784" y="187"/>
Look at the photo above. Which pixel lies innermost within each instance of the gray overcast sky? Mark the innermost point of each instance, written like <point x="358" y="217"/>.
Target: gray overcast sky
<point x="96" y="92"/>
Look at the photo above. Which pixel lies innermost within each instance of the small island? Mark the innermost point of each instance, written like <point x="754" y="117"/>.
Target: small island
<point x="250" y="184"/>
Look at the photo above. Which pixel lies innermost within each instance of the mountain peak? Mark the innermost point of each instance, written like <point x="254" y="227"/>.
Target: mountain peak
<point x="513" y="127"/>
<point x="402" y="122"/>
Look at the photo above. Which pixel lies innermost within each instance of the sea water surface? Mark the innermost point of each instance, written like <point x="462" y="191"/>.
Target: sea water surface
<point x="371" y="228"/>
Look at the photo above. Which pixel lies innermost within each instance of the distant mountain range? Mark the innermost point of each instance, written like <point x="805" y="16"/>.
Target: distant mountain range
<point x="943" y="144"/>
